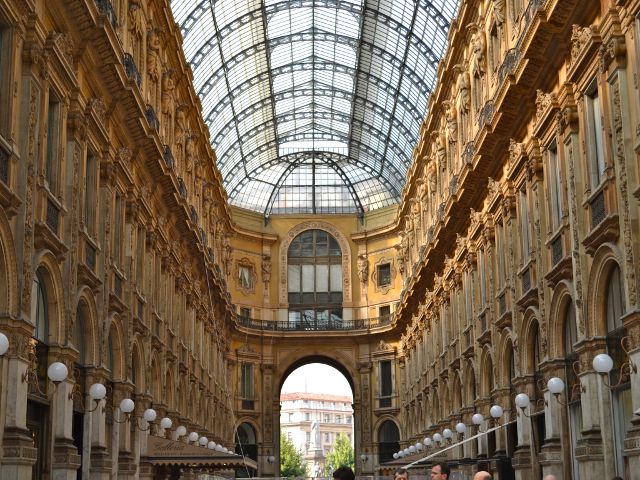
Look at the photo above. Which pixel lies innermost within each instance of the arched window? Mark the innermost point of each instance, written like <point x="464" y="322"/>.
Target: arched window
<point x="615" y="310"/>
<point x="39" y="308"/>
<point x="246" y="443"/>
<point x="314" y="279"/>
<point x="79" y="333"/>
<point x="388" y="441"/>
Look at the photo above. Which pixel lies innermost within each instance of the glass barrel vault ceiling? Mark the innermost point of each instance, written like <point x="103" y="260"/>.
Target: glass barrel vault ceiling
<point x="314" y="106"/>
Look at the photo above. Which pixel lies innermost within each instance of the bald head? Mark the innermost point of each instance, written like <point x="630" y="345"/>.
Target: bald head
<point x="482" y="475"/>
<point x="549" y="477"/>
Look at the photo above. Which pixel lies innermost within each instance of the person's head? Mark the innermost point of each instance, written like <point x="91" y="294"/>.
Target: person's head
<point x="440" y="471"/>
<point x="482" y="475"/>
<point x="344" y="473"/>
<point x="401" y="474"/>
<point x="614" y="478"/>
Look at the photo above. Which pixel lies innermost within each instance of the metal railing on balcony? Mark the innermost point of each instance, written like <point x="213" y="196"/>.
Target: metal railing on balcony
<point x="131" y="69"/>
<point x="4" y="165"/>
<point x="152" y="118"/>
<point x="53" y="217"/>
<point x="106" y="8"/>
<point x="556" y="250"/>
<point x="168" y="157"/>
<point x="598" y="209"/>
<point x="315" y="324"/>
<point x="90" y="256"/>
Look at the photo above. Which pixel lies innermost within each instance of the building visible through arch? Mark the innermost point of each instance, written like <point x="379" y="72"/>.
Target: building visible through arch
<point x="440" y="198"/>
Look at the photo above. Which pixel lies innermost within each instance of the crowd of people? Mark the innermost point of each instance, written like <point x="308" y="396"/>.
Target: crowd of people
<point x="439" y="471"/>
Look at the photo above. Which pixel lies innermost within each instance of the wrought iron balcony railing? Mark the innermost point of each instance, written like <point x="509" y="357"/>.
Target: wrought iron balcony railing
<point x="314" y="325"/>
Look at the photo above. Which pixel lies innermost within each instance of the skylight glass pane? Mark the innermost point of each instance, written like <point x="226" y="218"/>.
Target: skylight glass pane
<point x="338" y="88"/>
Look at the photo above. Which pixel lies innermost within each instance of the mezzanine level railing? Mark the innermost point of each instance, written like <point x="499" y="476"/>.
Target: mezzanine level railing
<point x="314" y="324"/>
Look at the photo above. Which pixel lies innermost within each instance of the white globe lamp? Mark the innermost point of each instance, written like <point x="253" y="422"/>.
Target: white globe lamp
<point x="447" y="433"/>
<point x="4" y="344"/>
<point x="203" y="441"/>
<point x="496" y="411"/>
<point x="127" y="405"/>
<point x="149" y="415"/>
<point x="181" y="431"/>
<point x="602" y="363"/>
<point x="57" y="372"/>
<point x="555" y="385"/>
<point x="522" y="400"/>
<point x="97" y="391"/>
<point x="477" y="419"/>
<point x="193" y="436"/>
<point x="461" y="427"/>
<point x="166" y="423"/>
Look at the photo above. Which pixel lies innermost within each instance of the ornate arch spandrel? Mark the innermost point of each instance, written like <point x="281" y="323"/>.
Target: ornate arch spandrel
<point x="8" y="269"/>
<point x="284" y="250"/>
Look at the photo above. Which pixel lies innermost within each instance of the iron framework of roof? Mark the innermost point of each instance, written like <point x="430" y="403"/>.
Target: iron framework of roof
<point x="314" y="106"/>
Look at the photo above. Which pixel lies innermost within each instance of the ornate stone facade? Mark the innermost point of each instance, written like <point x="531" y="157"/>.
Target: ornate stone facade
<point x="513" y="256"/>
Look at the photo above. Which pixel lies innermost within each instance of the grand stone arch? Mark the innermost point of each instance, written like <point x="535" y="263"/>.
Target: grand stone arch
<point x="345" y="249"/>
<point x="342" y="358"/>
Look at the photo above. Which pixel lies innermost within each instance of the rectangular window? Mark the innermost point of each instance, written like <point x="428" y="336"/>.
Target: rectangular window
<point x="307" y="417"/>
<point x="245" y="312"/>
<point x="142" y="240"/>
<point x="384" y="275"/>
<point x="384" y="311"/>
<point x="117" y="230"/>
<point x="386" y="386"/>
<point x="308" y="437"/>
<point x="246" y="381"/>
<point x="524" y="225"/>
<point x="595" y="136"/>
<point x="327" y="437"/>
<point x="501" y="247"/>
<point x="555" y="187"/>
<point x="338" y="419"/>
<point x="52" y="166"/>
<point x="483" y="278"/>
<point x="90" y="202"/>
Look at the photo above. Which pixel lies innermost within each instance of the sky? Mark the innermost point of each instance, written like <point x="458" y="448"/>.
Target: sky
<point x="317" y="378"/>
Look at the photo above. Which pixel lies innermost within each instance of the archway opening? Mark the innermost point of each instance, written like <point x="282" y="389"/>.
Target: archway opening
<point x="316" y="418"/>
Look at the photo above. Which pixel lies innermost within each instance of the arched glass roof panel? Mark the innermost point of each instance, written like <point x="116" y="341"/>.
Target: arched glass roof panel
<point x="326" y="93"/>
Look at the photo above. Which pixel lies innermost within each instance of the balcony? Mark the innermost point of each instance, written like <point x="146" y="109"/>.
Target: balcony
<point x="131" y="69"/>
<point x="4" y="164"/>
<point x="105" y="8"/>
<point x="314" y="325"/>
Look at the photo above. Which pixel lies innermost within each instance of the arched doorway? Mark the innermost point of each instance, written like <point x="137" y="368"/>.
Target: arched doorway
<point x="316" y="417"/>
<point x="388" y="441"/>
<point x="247" y="446"/>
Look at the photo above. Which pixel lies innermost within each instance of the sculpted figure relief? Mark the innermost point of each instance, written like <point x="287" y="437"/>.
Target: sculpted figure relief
<point x="478" y="48"/>
<point x="363" y="267"/>
<point x="464" y="84"/>
<point x="498" y="11"/>
<point x="452" y="122"/>
<point x="441" y="151"/>
<point x="167" y="103"/>
<point x="153" y="55"/>
<point x="266" y="268"/>
<point x="136" y="18"/>
<point x="432" y="177"/>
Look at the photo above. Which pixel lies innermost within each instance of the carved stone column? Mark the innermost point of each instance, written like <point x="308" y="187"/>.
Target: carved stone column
<point x="18" y="452"/>
<point x="632" y="440"/>
<point x="99" y="461"/>
<point x="126" y="465"/>
<point x="66" y="459"/>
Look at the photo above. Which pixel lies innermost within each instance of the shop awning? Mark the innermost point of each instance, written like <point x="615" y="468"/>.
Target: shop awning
<point x="162" y="451"/>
